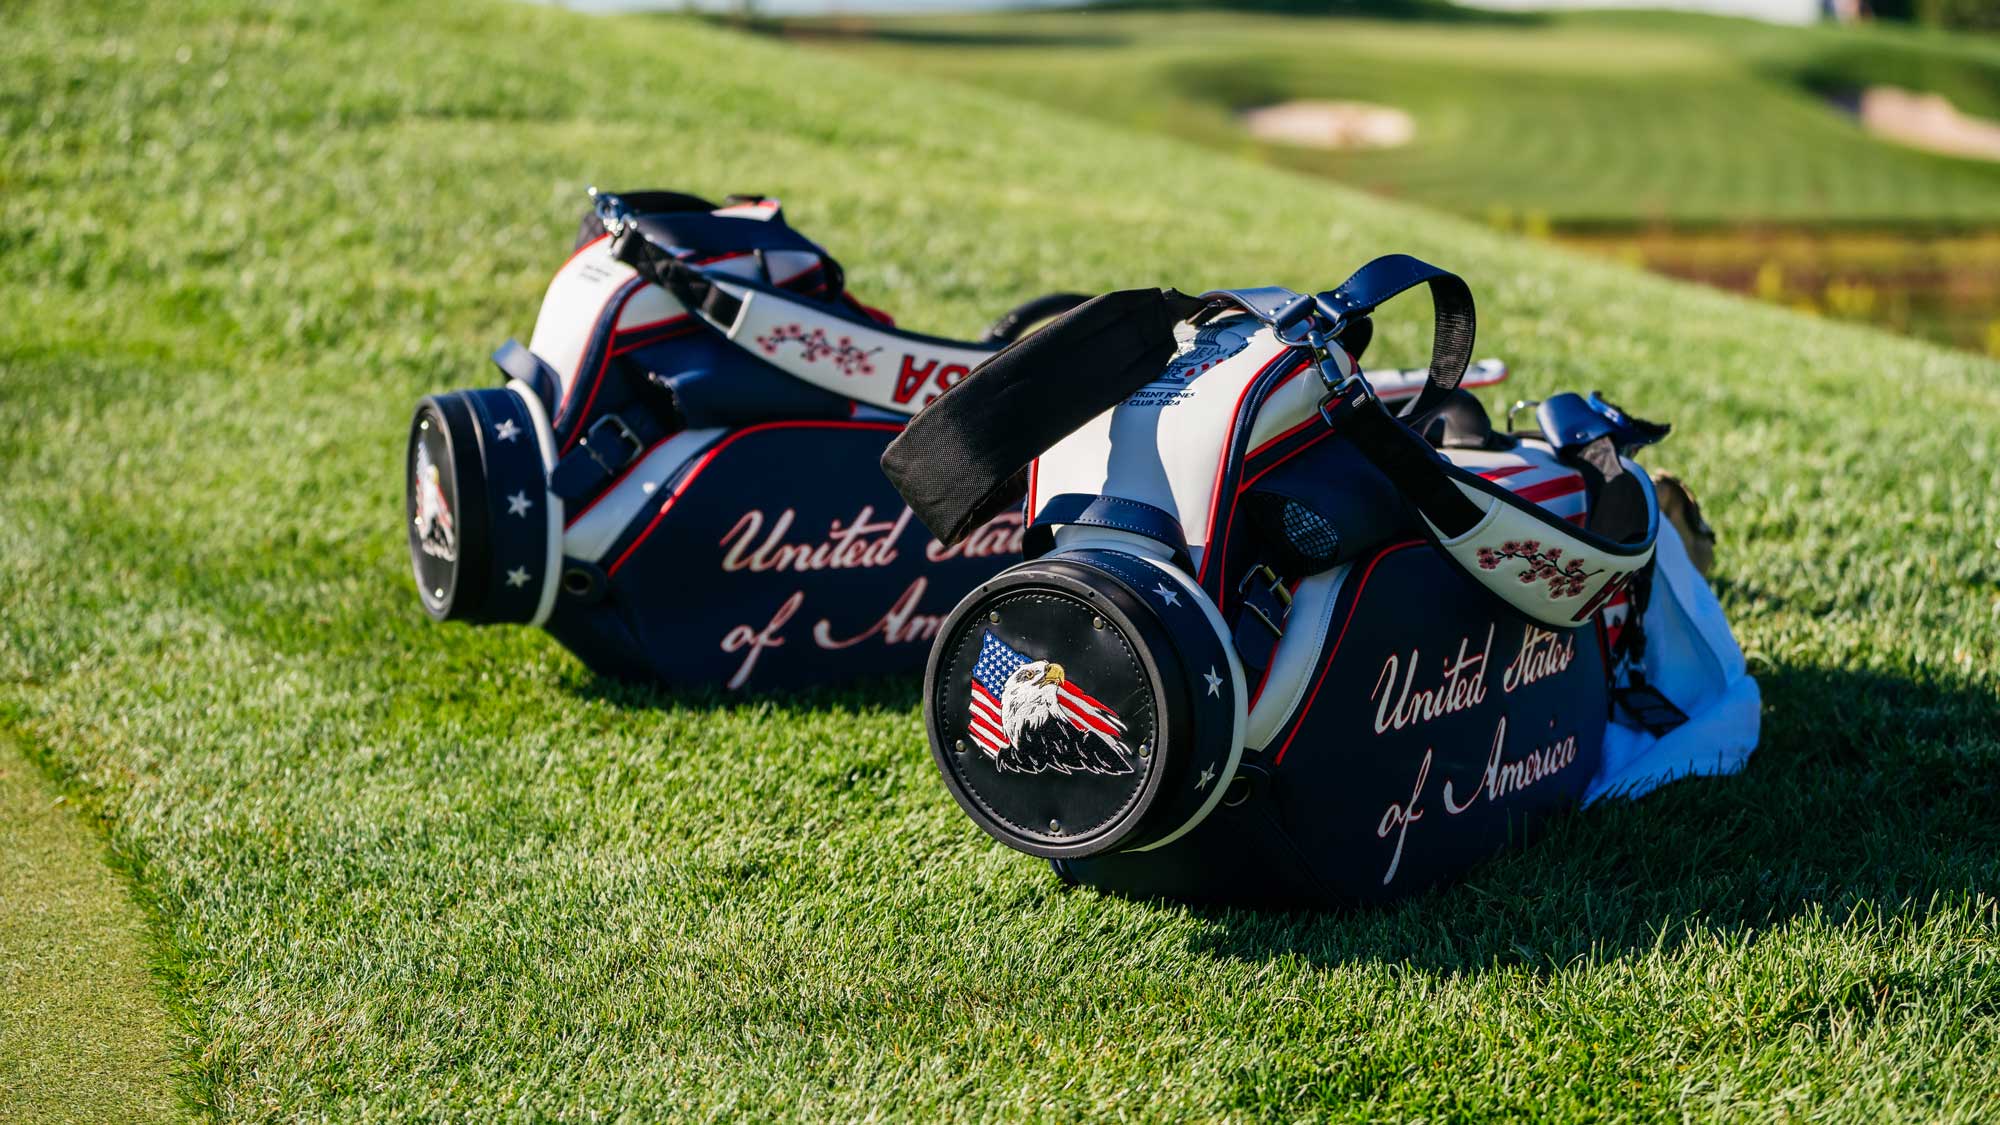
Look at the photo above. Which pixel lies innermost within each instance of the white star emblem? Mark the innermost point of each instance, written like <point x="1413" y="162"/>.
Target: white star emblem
<point x="1166" y="595"/>
<point x="507" y="430"/>
<point x="1207" y="775"/>
<point x="1214" y="681"/>
<point x="517" y="576"/>
<point x="518" y="504"/>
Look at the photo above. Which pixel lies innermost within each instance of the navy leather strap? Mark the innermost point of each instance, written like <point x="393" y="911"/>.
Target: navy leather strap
<point x="1082" y="509"/>
<point x="608" y="448"/>
<point x="517" y="362"/>
<point x="1454" y="320"/>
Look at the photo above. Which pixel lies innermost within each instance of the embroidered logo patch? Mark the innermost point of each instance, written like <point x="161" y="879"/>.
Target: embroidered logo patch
<point x="1029" y="718"/>
<point x="434" y="527"/>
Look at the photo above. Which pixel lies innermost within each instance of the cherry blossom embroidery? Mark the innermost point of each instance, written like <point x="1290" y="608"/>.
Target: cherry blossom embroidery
<point x="815" y="346"/>
<point x="1565" y="580"/>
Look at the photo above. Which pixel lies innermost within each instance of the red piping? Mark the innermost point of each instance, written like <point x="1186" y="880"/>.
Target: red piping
<point x="709" y="457"/>
<point x="1335" y="650"/>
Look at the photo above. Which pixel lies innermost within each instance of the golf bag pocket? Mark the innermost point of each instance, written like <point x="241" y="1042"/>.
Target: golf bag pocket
<point x="1276" y="643"/>
<point x="678" y="477"/>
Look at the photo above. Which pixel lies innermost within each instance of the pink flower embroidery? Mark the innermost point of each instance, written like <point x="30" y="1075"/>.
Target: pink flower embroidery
<point x="1565" y="580"/>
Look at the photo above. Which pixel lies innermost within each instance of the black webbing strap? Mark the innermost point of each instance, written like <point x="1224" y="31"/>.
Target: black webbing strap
<point x="689" y="285"/>
<point x="1406" y="459"/>
<point x="964" y="458"/>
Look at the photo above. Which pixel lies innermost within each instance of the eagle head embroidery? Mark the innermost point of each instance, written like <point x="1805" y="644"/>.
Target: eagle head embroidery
<point x="1029" y="718"/>
<point x="434" y="529"/>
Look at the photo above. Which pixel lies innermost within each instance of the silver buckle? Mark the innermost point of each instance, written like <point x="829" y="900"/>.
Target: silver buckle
<point x="612" y="211"/>
<point x="1520" y="405"/>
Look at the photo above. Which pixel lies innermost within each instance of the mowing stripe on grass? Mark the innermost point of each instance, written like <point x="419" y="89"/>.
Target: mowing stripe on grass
<point x="83" y="1034"/>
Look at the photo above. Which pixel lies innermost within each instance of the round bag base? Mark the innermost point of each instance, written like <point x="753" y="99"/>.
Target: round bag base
<point x="1063" y="711"/>
<point x="473" y="468"/>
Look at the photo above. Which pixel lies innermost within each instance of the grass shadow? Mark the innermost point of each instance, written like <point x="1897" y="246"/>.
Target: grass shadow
<point x="1870" y="794"/>
<point x="875" y="693"/>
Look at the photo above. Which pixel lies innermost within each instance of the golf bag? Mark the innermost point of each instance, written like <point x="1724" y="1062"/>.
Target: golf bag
<point x="1275" y="644"/>
<point x="678" y="475"/>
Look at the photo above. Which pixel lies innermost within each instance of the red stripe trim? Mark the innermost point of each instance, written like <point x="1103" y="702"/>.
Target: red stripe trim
<point x="1550" y="489"/>
<point x="709" y="458"/>
<point x="1335" y="650"/>
<point x="1504" y="471"/>
<point x="1209" y="551"/>
<point x="574" y="254"/>
<point x="651" y="338"/>
<point x="660" y="323"/>
<point x="596" y="380"/>
<point x="618" y="480"/>
<point x="1283" y="436"/>
<point x="1303" y="446"/>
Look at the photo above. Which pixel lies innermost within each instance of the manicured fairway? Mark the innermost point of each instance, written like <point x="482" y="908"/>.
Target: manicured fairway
<point x="408" y="871"/>
<point x="1592" y="118"/>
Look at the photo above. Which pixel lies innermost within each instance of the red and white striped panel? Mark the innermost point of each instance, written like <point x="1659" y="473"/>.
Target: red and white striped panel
<point x="1531" y="472"/>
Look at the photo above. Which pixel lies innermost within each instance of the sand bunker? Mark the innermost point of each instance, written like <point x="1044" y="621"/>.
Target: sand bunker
<point x="1339" y="125"/>
<point x="1927" y="121"/>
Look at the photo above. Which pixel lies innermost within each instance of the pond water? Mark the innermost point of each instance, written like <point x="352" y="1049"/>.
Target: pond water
<point x="1939" y="285"/>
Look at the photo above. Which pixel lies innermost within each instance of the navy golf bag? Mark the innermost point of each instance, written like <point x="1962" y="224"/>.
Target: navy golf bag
<point x="677" y="476"/>
<point x="1279" y="640"/>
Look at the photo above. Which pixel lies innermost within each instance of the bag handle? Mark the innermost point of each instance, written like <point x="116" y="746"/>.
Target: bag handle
<point x="964" y="459"/>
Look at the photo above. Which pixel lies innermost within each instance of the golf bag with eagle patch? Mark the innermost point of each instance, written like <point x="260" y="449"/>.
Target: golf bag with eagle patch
<point x="678" y="476"/>
<point x="1277" y="639"/>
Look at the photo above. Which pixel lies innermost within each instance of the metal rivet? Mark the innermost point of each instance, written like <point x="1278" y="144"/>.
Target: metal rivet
<point x="1055" y="826"/>
<point x="1097" y="623"/>
<point x="994" y="617"/>
<point x="959" y="746"/>
<point x="1145" y="749"/>
<point x="424" y="425"/>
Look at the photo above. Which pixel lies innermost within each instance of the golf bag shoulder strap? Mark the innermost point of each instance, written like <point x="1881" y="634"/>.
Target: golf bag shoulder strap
<point x="964" y="459"/>
<point x="1545" y="568"/>
<point x="825" y="344"/>
<point x="1345" y="310"/>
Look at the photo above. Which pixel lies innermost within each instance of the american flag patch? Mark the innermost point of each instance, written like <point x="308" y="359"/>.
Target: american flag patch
<point x="997" y="661"/>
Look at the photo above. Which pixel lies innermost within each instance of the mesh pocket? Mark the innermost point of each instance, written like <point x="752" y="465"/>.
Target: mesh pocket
<point x="1300" y="540"/>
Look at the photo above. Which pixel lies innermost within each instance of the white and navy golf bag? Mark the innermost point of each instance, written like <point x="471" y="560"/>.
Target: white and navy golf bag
<point x="1279" y="642"/>
<point x="678" y="476"/>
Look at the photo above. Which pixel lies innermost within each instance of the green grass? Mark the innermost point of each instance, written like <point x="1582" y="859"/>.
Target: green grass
<point x="83" y="1035"/>
<point x="407" y="871"/>
<point x="1595" y="118"/>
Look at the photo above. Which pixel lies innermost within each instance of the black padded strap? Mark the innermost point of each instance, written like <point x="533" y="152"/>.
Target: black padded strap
<point x="964" y="459"/>
<point x="1405" y="459"/>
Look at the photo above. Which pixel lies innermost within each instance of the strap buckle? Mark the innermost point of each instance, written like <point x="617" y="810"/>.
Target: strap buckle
<point x="596" y="442"/>
<point x="1271" y="585"/>
<point x="1344" y="391"/>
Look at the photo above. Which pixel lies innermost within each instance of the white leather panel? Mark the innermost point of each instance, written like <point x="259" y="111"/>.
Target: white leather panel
<point x="581" y="291"/>
<point x="603" y="522"/>
<point x="1297" y="656"/>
